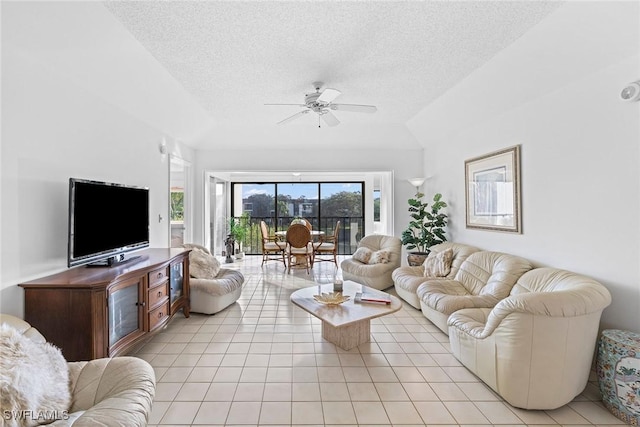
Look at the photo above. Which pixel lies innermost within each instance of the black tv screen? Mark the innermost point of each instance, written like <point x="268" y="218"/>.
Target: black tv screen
<point x="106" y="220"/>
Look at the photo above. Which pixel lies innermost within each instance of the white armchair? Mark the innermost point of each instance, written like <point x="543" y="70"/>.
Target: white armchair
<point x="376" y="275"/>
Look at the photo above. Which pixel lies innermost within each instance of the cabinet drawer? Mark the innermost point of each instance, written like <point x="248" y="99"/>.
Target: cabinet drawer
<point x="157" y="295"/>
<point x="158" y="276"/>
<point x="158" y="316"/>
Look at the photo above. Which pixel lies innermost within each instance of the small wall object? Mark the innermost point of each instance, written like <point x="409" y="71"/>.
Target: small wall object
<point x="618" y="368"/>
<point x="631" y="92"/>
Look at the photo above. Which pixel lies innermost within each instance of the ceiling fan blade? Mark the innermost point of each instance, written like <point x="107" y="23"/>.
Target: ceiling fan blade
<point x="328" y="95"/>
<point x="291" y="118"/>
<point x="329" y="118"/>
<point x="297" y="105"/>
<point x="354" y="108"/>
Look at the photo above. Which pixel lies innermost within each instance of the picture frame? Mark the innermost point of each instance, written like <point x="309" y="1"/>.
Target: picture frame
<point x="492" y="190"/>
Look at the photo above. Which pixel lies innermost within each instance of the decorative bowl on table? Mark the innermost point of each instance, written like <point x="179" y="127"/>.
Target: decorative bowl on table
<point x="331" y="298"/>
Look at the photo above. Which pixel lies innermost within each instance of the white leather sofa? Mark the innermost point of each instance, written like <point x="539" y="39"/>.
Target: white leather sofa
<point x="115" y="391"/>
<point x="535" y="347"/>
<point x="407" y="279"/>
<point x="482" y="280"/>
<point x="377" y="276"/>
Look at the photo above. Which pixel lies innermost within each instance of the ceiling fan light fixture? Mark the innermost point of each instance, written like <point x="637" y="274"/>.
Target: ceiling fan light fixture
<point x="321" y="103"/>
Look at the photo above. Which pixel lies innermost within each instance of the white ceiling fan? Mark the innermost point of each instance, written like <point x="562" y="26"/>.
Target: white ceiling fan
<point x="321" y="103"/>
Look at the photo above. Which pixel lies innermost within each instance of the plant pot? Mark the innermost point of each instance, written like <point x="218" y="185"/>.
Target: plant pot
<point x="416" y="258"/>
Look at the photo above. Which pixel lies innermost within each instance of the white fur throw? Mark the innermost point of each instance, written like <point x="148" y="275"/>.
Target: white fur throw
<point x="379" y="257"/>
<point x="203" y="265"/>
<point x="34" y="380"/>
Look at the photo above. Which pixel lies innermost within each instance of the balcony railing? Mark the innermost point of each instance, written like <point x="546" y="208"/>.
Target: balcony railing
<point x="350" y="233"/>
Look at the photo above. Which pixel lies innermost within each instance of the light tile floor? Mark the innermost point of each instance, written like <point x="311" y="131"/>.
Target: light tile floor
<point x="262" y="361"/>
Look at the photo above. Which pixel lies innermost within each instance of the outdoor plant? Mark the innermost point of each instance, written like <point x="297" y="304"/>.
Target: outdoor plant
<point x="427" y="225"/>
<point x="239" y="228"/>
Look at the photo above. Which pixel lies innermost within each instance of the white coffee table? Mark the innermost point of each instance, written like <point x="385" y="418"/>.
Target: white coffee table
<point x="346" y="325"/>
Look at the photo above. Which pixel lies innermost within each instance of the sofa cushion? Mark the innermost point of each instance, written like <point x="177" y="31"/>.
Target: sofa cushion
<point x="363" y="255"/>
<point x="438" y="264"/>
<point x="38" y="380"/>
<point x="448" y="296"/>
<point x="491" y="273"/>
<point x="203" y="265"/>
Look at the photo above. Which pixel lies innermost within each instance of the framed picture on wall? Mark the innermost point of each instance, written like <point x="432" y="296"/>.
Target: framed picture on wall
<point x="493" y="191"/>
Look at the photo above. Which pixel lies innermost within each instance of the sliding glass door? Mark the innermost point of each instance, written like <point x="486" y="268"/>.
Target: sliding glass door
<point x="321" y="203"/>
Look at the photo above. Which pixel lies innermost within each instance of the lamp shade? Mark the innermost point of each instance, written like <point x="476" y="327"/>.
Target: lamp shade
<point x="416" y="182"/>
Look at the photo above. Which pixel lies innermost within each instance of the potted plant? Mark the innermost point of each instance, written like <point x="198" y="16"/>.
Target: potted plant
<point x="426" y="228"/>
<point x="239" y="229"/>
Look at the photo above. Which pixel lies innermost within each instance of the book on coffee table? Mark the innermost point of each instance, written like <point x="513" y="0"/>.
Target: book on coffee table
<point x="371" y="297"/>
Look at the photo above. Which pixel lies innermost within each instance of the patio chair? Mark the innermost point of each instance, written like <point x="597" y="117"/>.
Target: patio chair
<point x="327" y="245"/>
<point x="299" y="247"/>
<point x="272" y="248"/>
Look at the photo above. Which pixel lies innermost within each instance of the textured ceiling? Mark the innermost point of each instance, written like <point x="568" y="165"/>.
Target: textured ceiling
<point x="235" y="56"/>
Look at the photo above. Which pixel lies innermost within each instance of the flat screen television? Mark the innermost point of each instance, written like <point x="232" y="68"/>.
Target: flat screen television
<point x="106" y="220"/>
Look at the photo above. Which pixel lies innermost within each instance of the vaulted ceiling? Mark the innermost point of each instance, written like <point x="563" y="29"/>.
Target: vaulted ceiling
<point x="202" y="71"/>
<point x="234" y="57"/>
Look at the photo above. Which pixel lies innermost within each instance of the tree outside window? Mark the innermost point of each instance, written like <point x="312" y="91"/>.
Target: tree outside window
<point x="177" y="205"/>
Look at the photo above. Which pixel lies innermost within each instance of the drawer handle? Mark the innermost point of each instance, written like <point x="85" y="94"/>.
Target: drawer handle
<point x="160" y="314"/>
<point x="141" y="304"/>
<point x="159" y="294"/>
<point x="159" y="275"/>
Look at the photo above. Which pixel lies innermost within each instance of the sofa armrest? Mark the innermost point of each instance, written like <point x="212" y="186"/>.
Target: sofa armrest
<point x="116" y="391"/>
<point x="471" y="321"/>
<point x="410" y="270"/>
<point x="568" y="303"/>
<point x="358" y="268"/>
<point x="481" y="323"/>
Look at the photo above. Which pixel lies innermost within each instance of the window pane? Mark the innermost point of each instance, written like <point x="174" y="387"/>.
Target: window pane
<point x="342" y="202"/>
<point x="177" y="204"/>
<point x="258" y="200"/>
<point x="376" y="205"/>
<point x="298" y="200"/>
<point x="323" y="204"/>
<point x="341" y="199"/>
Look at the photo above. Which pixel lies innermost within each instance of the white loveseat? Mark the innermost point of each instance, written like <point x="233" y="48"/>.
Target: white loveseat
<point x="535" y="347"/>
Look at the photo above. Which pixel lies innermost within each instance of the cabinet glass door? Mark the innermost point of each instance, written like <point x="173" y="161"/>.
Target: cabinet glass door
<point x="124" y="313"/>
<point x="176" y="280"/>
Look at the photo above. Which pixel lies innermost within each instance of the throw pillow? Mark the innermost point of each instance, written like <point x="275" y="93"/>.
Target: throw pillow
<point x="379" y="257"/>
<point x="203" y="265"/>
<point x="362" y="254"/>
<point x="35" y="386"/>
<point x="438" y="264"/>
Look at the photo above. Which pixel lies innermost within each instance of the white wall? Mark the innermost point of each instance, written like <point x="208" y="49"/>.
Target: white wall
<point x="555" y="92"/>
<point x="53" y="130"/>
<point x="405" y="163"/>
